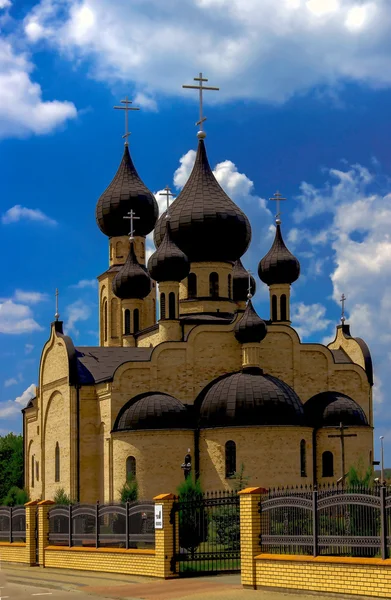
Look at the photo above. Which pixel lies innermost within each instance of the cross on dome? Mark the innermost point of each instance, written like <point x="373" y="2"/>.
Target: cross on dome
<point x="131" y="217"/>
<point x="167" y="193"/>
<point x="126" y="108"/>
<point x="249" y="294"/>
<point x="278" y="198"/>
<point x="201" y="134"/>
<point x="57" y="315"/>
<point x="343" y="299"/>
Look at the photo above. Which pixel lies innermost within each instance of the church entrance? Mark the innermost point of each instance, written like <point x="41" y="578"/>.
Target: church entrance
<point x="206" y="534"/>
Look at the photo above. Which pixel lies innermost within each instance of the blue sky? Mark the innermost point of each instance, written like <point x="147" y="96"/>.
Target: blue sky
<point x="303" y="108"/>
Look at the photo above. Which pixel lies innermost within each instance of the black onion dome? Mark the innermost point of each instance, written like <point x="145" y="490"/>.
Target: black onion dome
<point x="132" y="280"/>
<point x="250" y="398"/>
<point x="279" y="265"/>
<point x="250" y="328"/>
<point x="240" y="282"/>
<point x="168" y="263"/>
<point x="205" y="224"/>
<point x="152" y="411"/>
<point x="126" y="192"/>
<point x="332" y="408"/>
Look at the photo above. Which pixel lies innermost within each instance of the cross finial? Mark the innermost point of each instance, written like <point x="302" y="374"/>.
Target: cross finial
<point x="278" y="198"/>
<point x="126" y="108"/>
<point x="167" y="193"/>
<point x="249" y="294"/>
<point x="343" y="299"/>
<point x="131" y="217"/>
<point x="201" y="134"/>
<point x="57" y="315"/>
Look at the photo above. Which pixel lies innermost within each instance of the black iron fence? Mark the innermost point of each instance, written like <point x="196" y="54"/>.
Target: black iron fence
<point x="12" y="524"/>
<point x="129" y="525"/>
<point x="206" y="533"/>
<point x="328" y="521"/>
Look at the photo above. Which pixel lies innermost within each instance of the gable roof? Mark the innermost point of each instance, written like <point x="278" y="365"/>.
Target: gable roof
<point x="96" y="364"/>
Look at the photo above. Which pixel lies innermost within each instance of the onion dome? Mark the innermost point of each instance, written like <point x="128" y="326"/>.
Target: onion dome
<point x="152" y="411"/>
<point x="240" y="282"/>
<point x="126" y="192"/>
<point x="168" y="263"/>
<point x="329" y="409"/>
<point x="205" y="224"/>
<point x="279" y="265"/>
<point x="250" y="328"/>
<point x="250" y="398"/>
<point x="132" y="280"/>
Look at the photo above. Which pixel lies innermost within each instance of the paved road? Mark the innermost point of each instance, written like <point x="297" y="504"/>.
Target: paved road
<point x="19" y="581"/>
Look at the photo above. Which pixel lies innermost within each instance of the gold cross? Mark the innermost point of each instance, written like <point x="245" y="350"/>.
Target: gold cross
<point x="343" y="298"/>
<point x="201" y="88"/>
<point x="278" y="198"/>
<point x="126" y="108"/>
<point x="167" y="193"/>
<point x="132" y="216"/>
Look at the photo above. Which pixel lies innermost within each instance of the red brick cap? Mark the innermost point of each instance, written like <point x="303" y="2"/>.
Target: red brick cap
<point x="31" y="503"/>
<point x="46" y="503"/>
<point x="254" y="490"/>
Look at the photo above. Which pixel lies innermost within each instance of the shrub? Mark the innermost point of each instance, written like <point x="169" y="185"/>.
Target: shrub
<point x="16" y="497"/>
<point x="60" y="497"/>
<point x="129" y="491"/>
<point x="193" y="521"/>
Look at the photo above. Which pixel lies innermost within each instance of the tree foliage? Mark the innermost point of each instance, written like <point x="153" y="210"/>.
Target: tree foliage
<point x="15" y="497"/>
<point x="129" y="491"/>
<point x="193" y="521"/>
<point x="61" y="497"/>
<point x="11" y="464"/>
<point x="358" y="476"/>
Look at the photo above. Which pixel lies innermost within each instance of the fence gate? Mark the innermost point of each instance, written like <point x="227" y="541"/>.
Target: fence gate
<point x="206" y="533"/>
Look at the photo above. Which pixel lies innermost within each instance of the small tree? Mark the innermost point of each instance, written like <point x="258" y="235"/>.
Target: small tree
<point x="239" y="479"/>
<point x="193" y="522"/>
<point x="61" y="497"/>
<point x="16" y="497"/>
<point x="129" y="491"/>
<point x="358" y="477"/>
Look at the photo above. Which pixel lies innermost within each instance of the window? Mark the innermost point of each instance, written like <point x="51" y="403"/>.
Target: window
<point x="283" y="307"/>
<point x="37" y="470"/>
<point x="118" y="250"/>
<point x="162" y="306"/>
<point x="303" y="466"/>
<point x="274" y="308"/>
<point x="130" y="467"/>
<point x="32" y="470"/>
<point x="105" y="321"/>
<point x="127" y="322"/>
<point x="214" y="285"/>
<point x="136" y="320"/>
<point x="229" y="286"/>
<point x="230" y="458"/>
<point x="327" y="464"/>
<point x="192" y="285"/>
<point x="57" y="463"/>
<point x="171" y="306"/>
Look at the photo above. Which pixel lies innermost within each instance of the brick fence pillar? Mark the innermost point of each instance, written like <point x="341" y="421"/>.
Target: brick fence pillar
<point x="164" y="538"/>
<point x="31" y="544"/>
<point x="250" y="529"/>
<point x="43" y="529"/>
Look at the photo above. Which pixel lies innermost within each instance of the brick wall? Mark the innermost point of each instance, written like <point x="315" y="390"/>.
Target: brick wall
<point x="109" y="560"/>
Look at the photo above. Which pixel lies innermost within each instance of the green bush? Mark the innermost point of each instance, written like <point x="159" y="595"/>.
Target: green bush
<point x="129" y="491"/>
<point x="11" y="464"/>
<point x="60" y="497"/>
<point x="193" y="521"/>
<point x="16" y="497"/>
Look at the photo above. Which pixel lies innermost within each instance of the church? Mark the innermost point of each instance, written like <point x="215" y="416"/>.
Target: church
<point x="186" y="367"/>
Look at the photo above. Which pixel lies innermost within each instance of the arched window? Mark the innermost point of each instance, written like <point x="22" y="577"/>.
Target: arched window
<point x="171" y="306"/>
<point x="136" y="320"/>
<point x="130" y="467"/>
<point x="303" y="466"/>
<point x="192" y="285"/>
<point x="283" y="307"/>
<point x="32" y="470"/>
<point x="105" y="321"/>
<point x="229" y="286"/>
<point x="274" y="308"/>
<point x="127" y="322"/>
<point x="57" y="463"/>
<point x="214" y="285"/>
<point x="230" y="458"/>
<point x="37" y="470"/>
<point x="327" y="464"/>
<point x="118" y="250"/>
<point x="162" y="306"/>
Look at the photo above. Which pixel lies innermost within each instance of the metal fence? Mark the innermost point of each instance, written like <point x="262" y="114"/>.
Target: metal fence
<point x="12" y="524"/>
<point x="129" y="525"/>
<point x="328" y="521"/>
<point x="206" y="533"/>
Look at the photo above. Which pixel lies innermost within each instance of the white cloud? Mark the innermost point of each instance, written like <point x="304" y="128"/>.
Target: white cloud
<point x="22" y="110"/>
<point x="85" y="283"/>
<point x="19" y="213"/>
<point x="5" y="4"/>
<point x="16" y="318"/>
<point x="28" y="348"/>
<point x="13" y="407"/>
<point x="146" y="102"/>
<point x="30" y="297"/>
<point x="9" y="382"/>
<point x="260" y="49"/>
<point x="309" y="318"/>
<point x="76" y="312"/>
<point x="182" y="173"/>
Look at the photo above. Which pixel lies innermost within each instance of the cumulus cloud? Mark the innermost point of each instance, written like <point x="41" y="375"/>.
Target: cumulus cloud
<point x="260" y="49"/>
<point x="9" y="382"/>
<point x="13" y="407"/>
<point x="4" y="4"/>
<point x="21" y="213"/>
<point x="77" y="312"/>
<point x="28" y="348"/>
<point x="85" y="283"/>
<point x="17" y="318"/>
<point x="30" y="297"/>
<point x="309" y="318"/>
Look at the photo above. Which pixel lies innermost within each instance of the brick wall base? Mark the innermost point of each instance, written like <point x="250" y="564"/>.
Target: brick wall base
<point x="16" y="553"/>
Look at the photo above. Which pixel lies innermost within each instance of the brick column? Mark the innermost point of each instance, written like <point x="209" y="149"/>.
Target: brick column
<point x="164" y="538"/>
<point x="250" y="529"/>
<point x="31" y="519"/>
<point x="43" y="529"/>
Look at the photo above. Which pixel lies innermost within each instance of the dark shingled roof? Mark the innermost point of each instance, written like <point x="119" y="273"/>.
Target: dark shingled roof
<point x="250" y="398"/>
<point x="152" y="411"/>
<point x="240" y="282"/>
<point x="205" y="224"/>
<point x="126" y="192"/>
<point x="250" y="328"/>
<point x="279" y="265"/>
<point x="168" y="263"/>
<point x="340" y="356"/>
<point x="333" y="408"/>
<point x="132" y="280"/>
<point x="96" y="363"/>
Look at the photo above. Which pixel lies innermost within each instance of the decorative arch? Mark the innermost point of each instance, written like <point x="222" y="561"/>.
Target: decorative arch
<point x="114" y="317"/>
<point x="104" y="309"/>
<point x="171" y="305"/>
<point x="162" y="305"/>
<point x="214" y="285"/>
<point x="230" y="458"/>
<point x="127" y="322"/>
<point x="32" y="470"/>
<point x="130" y="467"/>
<point x="118" y="250"/>
<point x="192" y="285"/>
<point x="327" y="464"/>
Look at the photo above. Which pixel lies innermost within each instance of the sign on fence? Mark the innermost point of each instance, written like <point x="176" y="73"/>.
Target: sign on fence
<point x="158" y="516"/>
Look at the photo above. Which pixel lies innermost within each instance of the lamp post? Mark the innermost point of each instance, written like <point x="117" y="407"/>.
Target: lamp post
<point x="186" y="465"/>
<point x="382" y="458"/>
